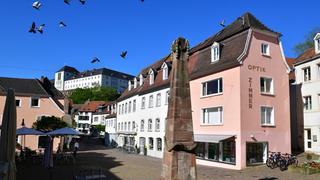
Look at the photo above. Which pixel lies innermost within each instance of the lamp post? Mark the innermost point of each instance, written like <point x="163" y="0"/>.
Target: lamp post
<point x="24" y="136"/>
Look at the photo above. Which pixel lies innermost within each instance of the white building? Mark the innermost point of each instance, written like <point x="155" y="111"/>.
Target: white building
<point x="68" y="78"/>
<point x="307" y="71"/>
<point x="142" y="110"/>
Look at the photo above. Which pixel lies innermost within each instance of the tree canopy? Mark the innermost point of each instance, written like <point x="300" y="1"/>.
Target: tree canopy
<point x="79" y="96"/>
<point x="47" y="123"/>
<point x="308" y="41"/>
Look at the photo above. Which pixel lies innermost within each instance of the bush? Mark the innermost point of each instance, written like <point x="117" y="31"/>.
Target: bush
<point x="309" y="156"/>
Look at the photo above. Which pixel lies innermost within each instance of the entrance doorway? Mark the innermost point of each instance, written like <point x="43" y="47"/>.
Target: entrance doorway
<point x="142" y="145"/>
<point x="308" y="141"/>
<point x="257" y="152"/>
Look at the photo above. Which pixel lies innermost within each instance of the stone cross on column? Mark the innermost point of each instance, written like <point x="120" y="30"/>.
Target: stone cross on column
<point x="179" y="158"/>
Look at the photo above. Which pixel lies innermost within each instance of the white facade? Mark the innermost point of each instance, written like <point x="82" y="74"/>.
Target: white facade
<point x="308" y="74"/>
<point x="148" y="135"/>
<point x="83" y="120"/>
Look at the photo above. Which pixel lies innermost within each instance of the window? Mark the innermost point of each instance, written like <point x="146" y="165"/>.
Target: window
<point x="318" y="42"/>
<point x="129" y="110"/>
<point x="167" y="97"/>
<point x="133" y="125"/>
<point x="134" y="106"/>
<point x="122" y="109"/>
<point x="119" y="109"/>
<point x="35" y="102"/>
<point x="122" y="126"/>
<point x="212" y="87"/>
<point x="309" y="142"/>
<point x="95" y="119"/>
<point x="150" y="143"/>
<point x="126" y="108"/>
<point x="159" y="144"/>
<point x="265" y="49"/>
<point x="59" y="76"/>
<point x="151" y="101"/>
<point x="157" y="127"/>
<point x="125" y="126"/>
<point x="129" y="126"/>
<point x="140" y="79"/>
<point x="151" y="77"/>
<point x="215" y="52"/>
<point x="266" y="85"/>
<point x="158" y="101"/>
<point x="142" y="126"/>
<point x="143" y="102"/>
<point x="18" y="102"/>
<point x="267" y="116"/>
<point x="307" y="103"/>
<point x="212" y="116"/>
<point x="150" y="125"/>
<point x="306" y="74"/>
<point x="118" y="126"/>
<point x="164" y="71"/>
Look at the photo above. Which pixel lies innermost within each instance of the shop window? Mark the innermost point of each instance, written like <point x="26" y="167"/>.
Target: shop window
<point x="150" y="143"/>
<point x="159" y="144"/>
<point x="229" y="151"/>
<point x="256" y="153"/>
<point x="200" y="150"/>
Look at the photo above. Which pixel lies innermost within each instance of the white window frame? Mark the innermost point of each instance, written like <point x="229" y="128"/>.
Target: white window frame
<point x="206" y="121"/>
<point x="306" y="74"/>
<point x="134" y="105"/>
<point x="151" y="77"/>
<point x="167" y="97"/>
<point x="264" y="90"/>
<point x="157" y="125"/>
<point x="151" y="101"/>
<point x="204" y="93"/>
<point x="272" y="121"/>
<point x="307" y="103"/>
<point x="158" y="100"/>
<point x="19" y="102"/>
<point x="143" y="102"/>
<point x="129" y="108"/>
<point x="38" y="102"/>
<point x="215" y="52"/>
<point x="265" y="49"/>
<point x="142" y="124"/>
<point x="150" y="123"/>
<point x="164" y="71"/>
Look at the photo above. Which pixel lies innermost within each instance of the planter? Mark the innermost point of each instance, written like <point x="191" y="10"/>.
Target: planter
<point x="304" y="169"/>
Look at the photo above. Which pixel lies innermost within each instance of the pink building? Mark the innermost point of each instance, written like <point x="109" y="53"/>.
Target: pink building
<point x="240" y="95"/>
<point x="34" y="99"/>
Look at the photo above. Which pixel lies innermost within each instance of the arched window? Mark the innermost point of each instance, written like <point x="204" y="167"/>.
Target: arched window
<point x="159" y="144"/>
<point x="150" y="101"/>
<point x="157" y="126"/>
<point x="158" y="100"/>
<point x="142" y="126"/>
<point x="150" y="125"/>
<point x="151" y="77"/>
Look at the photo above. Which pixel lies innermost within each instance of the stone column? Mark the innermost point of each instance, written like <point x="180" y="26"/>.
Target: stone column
<point x="179" y="158"/>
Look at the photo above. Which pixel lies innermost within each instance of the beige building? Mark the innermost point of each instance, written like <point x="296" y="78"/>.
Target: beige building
<point x="34" y="99"/>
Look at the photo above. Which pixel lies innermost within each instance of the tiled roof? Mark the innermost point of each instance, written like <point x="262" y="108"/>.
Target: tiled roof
<point x="22" y="87"/>
<point x="91" y="106"/>
<point x="69" y="69"/>
<point x="306" y="56"/>
<point x="290" y="62"/>
<point x="232" y="41"/>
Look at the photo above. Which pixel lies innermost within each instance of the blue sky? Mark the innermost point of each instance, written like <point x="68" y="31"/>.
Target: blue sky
<point x="104" y="28"/>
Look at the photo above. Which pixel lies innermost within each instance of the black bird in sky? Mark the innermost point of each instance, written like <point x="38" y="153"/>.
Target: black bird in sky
<point x="123" y="54"/>
<point x="82" y="2"/>
<point x="95" y="60"/>
<point x="40" y="28"/>
<point x="62" y="24"/>
<point x="67" y="1"/>
<point x="36" y="5"/>
<point x="142" y="0"/>
<point x="33" y="28"/>
<point x="222" y="23"/>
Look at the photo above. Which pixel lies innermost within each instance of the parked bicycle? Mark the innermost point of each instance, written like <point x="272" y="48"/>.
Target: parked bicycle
<point x="276" y="159"/>
<point x="273" y="160"/>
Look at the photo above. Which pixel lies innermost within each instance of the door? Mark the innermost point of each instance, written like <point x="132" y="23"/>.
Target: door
<point x="256" y="152"/>
<point x="308" y="140"/>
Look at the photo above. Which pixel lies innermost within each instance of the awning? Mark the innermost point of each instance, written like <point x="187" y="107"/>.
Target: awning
<point x="213" y="138"/>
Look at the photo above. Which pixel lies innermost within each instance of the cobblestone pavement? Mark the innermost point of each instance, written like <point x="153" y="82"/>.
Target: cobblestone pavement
<point x="120" y="165"/>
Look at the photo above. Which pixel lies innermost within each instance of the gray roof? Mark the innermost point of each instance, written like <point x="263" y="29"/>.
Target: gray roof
<point x="103" y="71"/>
<point x="68" y="69"/>
<point x="23" y="87"/>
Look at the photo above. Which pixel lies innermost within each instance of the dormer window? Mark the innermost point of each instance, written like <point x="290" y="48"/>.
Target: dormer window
<point x="215" y="52"/>
<point x="151" y="77"/>
<point x="265" y="49"/>
<point x="129" y="85"/>
<point x="135" y="82"/>
<point x="317" y="43"/>
<point x="141" y="80"/>
<point x="164" y="71"/>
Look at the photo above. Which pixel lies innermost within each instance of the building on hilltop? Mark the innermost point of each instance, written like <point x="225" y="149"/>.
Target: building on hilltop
<point x="239" y="97"/>
<point x="69" y="78"/>
<point x="307" y="72"/>
<point x="34" y="99"/>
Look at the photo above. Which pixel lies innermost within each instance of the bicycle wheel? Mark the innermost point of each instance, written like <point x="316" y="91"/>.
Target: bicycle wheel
<point x="269" y="162"/>
<point x="283" y="165"/>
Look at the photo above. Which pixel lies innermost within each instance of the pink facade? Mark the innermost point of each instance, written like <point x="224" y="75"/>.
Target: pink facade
<point x="30" y="114"/>
<point x="242" y="102"/>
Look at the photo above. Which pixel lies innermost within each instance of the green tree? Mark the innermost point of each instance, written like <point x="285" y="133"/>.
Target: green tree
<point x="47" y="123"/>
<point x="79" y="96"/>
<point x="308" y="41"/>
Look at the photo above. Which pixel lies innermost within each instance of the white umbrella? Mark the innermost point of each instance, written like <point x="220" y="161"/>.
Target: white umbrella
<point x="64" y="131"/>
<point x="8" y="137"/>
<point x="28" y="131"/>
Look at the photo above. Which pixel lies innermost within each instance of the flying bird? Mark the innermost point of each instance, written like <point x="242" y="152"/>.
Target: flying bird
<point x="36" y="5"/>
<point x="62" y="24"/>
<point x="222" y="23"/>
<point x="142" y="0"/>
<point x="67" y="1"/>
<point x="95" y="60"/>
<point x="82" y="2"/>
<point x="40" y="28"/>
<point x="33" y="28"/>
<point x="123" y="54"/>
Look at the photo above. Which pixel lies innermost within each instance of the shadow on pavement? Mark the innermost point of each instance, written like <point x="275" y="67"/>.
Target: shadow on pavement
<point x="86" y="162"/>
